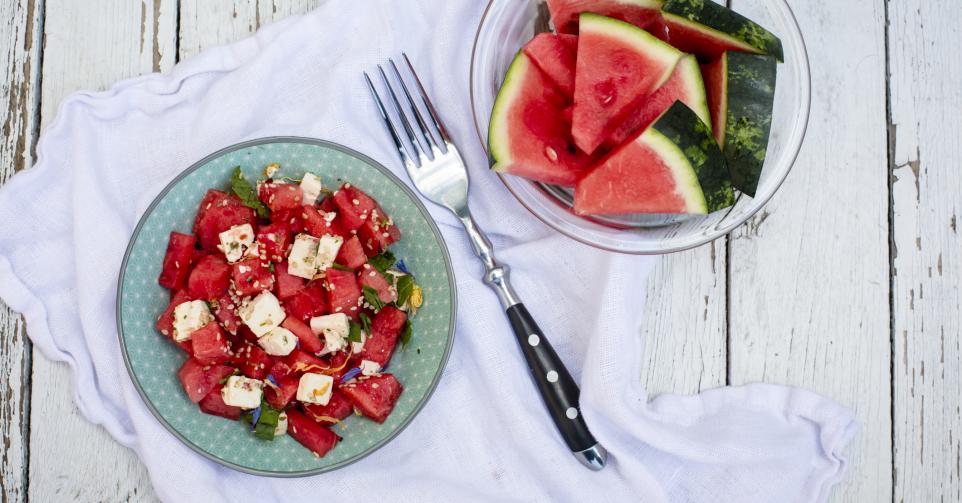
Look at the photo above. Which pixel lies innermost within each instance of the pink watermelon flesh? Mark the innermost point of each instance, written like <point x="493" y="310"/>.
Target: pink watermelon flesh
<point x="528" y="134"/>
<point x="700" y="43"/>
<point x="716" y="87"/>
<point x="564" y="13"/>
<point x="618" y="65"/>
<point x="678" y="87"/>
<point x="632" y="179"/>
<point x="555" y="55"/>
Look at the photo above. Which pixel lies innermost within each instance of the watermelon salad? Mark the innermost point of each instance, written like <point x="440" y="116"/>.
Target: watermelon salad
<point x="289" y="304"/>
<point x="640" y="106"/>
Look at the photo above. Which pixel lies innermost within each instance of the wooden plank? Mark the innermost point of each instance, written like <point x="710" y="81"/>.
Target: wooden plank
<point x="926" y="69"/>
<point x="685" y="322"/>
<point x="20" y="32"/>
<point x="206" y="23"/>
<point x="810" y="274"/>
<point x="89" y="45"/>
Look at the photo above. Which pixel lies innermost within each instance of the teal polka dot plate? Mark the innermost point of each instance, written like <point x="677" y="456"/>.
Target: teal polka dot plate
<point x="152" y="360"/>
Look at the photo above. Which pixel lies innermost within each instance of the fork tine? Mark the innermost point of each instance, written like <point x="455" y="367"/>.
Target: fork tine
<point x="402" y="150"/>
<point x="404" y="119"/>
<point x="427" y="102"/>
<point x="425" y="130"/>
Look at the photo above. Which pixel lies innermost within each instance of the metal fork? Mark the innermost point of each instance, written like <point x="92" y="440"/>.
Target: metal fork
<point x="439" y="173"/>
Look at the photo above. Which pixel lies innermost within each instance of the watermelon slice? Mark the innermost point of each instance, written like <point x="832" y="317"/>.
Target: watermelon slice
<point x="674" y="166"/>
<point x="741" y="95"/>
<point x="528" y="135"/>
<point x="685" y="85"/>
<point x="707" y="29"/>
<point x="556" y="56"/>
<point x="618" y="64"/>
<point x="641" y="13"/>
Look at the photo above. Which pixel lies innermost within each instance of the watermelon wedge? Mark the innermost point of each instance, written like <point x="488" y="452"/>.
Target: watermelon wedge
<point x="565" y="13"/>
<point x="528" y="135"/>
<point x="555" y="55"/>
<point x="618" y="64"/>
<point x="674" y="166"/>
<point x="707" y="29"/>
<point x="741" y="95"/>
<point x="685" y="85"/>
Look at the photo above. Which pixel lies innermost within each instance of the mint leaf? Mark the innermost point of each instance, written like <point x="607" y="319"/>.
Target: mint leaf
<point x="355" y="334"/>
<point x="365" y="322"/>
<point x="382" y="262"/>
<point x="247" y="193"/>
<point x="340" y="267"/>
<point x="372" y="298"/>
<point x="267" y="422"/>
<point x="405" y="287"/>
<point x="406" y="335"/>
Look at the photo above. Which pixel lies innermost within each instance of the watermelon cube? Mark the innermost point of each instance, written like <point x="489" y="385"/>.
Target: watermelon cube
<point x="280" y="196"/>
<point x="369" y="277"/>
<point x="351" y="253"/>
<point x="274" y="240"/>
<point x="309" y="302"/>
<point x="286" y="285"/>
<point x="293" y="218"/>
<point x="310" y="434"/>
<point x="315" y="222"/>
<point x="219" y="212"/>
<point x="226" y="314"/>
<point x="376" y="237"/>
<point x="165" y="322"/>
<point x="252" y="276"/>
<point x="386" y="327"/>
<point x="353" y="207"/>
<point x="337" y="409"/>
<point x="252" y="361"/>
<point x="278" y="397"/>
<point x="214" y="405"/>
<point x="180" y="251"/>
<point x="199" y="379"/>
<point x="342" y="292"/>
<point x="308" y="340"/>
<point x="209" y="279"/>
<point x="301" y="361"/>
<point x="374" y="396"/>
<point x="210" y="345"/>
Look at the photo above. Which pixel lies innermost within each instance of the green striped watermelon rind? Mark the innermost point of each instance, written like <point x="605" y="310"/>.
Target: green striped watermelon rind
<point x="751" y="98"/>
<point x="498" y="144"/>
<point x="679" y="131"/>
<point x="722" y="22"/>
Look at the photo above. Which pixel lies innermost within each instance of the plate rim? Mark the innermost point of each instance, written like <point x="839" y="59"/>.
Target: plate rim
<point x="452" y="285"/>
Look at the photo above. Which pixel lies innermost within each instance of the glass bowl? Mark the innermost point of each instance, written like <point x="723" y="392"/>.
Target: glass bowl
<point x="508" y="24"/>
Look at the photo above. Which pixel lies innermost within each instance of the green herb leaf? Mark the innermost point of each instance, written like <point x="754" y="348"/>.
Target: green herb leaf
<point x="267" y="422"/>
<point x="405" y="287"/>
<point x="382" y="262"/>
<point x="247" y="193"/>
<point x="365" y="322"/>
<point x="406" y="335"/>
<point x="372" y="298"/>
<point x="355" y="334"/>
<point x="340" y="267"/>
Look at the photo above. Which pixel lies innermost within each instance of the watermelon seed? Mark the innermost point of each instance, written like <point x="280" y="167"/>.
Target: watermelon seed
<point x="551" y="154"/>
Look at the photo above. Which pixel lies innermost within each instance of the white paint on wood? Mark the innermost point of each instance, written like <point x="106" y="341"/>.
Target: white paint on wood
<point x="809" y="275"/>
<point x="89" y="45"/>
<point x="19" y="46"/>
<point x="684" y="322"/>
<point x="926" y="92"/>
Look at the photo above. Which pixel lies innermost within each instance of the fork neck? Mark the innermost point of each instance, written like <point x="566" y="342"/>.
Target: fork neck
<point x="496" y="275"/>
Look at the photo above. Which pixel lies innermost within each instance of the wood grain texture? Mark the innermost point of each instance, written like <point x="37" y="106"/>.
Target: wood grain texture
<point x="926" y="95"/>
<point x="20" y="23"/>
<point x="684" y="323"/>
<point x="809" y="274"/>
<point x="89" y="45"/>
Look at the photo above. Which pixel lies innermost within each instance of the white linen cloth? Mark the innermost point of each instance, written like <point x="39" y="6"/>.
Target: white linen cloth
<point x="484" y="436"/>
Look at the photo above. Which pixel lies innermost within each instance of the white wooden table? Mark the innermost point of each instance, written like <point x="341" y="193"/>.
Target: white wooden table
<point x="846" y="284"/>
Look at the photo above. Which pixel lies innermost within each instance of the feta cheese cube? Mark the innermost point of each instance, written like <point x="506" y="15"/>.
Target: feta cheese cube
<point x="333" y="342"/>
<point x="301" y="261"/>
<point x="327" y="251"/>
<point x="189" y="317"/>
<point x="281" y="428"/>
<point x="243" y="392"/>
<point x="235" y="241"/>
<point x="315" y="388"/>
<point x="278" y="342"/>
<point x="311" y="187"/>
<point x="262" y="313"/>
<point x="369" y="368"/>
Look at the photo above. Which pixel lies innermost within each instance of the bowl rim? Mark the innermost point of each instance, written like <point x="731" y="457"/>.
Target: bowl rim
<point x="719" y="230"/>
<point x="452" y="323"/>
